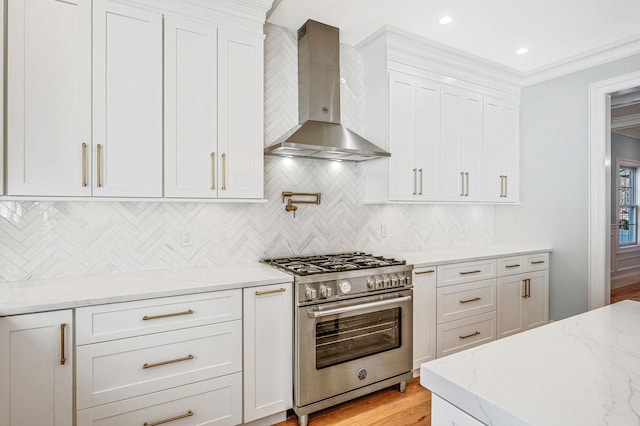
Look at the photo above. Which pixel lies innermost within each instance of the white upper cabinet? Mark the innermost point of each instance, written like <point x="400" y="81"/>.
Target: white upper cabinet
<point x="461" y="145"/>
<point x="191" y="117"/>
<point x="48" y="97"/>
<point x="240" y="115"/>
<point x="414" y="139"/>
<point x="501" y="153"/>
<point x="127" y="101"/>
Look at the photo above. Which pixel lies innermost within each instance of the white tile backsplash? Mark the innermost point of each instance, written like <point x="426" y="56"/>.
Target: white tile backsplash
<point x="42" y="239"/>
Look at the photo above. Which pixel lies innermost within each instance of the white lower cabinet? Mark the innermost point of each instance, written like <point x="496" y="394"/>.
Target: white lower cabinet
<point x="211" y="402"/>
<point x="524" y="302"/>
<point x="268" y="345"/>
<point x="36" y="369"/>
<point x="424" y="316"/>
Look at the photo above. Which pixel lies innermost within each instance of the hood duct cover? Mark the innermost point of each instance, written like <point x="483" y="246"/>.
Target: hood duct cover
<point x="320" y="134"/>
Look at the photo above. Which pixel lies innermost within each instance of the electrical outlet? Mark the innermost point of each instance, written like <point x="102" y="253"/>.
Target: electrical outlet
<point x="186" y="238"/>
<point x="383" y="230"/>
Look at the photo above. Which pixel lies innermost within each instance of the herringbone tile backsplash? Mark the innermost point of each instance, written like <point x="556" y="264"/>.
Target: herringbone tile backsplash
<point x="41" y="239"/>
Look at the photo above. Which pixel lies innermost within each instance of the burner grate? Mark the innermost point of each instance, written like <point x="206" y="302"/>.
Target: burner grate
<point x="319" y="264"/>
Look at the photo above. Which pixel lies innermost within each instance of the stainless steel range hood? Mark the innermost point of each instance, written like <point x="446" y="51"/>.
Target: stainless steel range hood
<point x="320" y="134"/>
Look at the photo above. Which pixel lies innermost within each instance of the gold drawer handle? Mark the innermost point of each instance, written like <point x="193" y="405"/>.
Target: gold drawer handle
<point x="99" y="165"/>
<point x="537" y="262"/>
<point x="171" y="361"/>
<point x="470" y="335"/>
<point x="63" y="358"/>
<point x="174" y="314"/>
<point x="84" y="164"/>
<point x="475" y="299"/>
<point x="213" y="171"/>
<point x="470" y="272"/>
<point x="279" y="290"/>
<point x="428" y="271"/>
<point x="161" y="422"/>
<point x="515" y="265"/>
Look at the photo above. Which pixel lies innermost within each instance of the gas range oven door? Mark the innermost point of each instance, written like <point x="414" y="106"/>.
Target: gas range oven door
<point x="346" y="345"/>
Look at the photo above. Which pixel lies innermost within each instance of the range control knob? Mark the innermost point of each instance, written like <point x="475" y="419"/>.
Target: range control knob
<point x="394" y="281"/>
<point x="325" y="291"/>
<point x="310" y="293"/>
<point x="386" y="282"/>
<point x="379" y="283"/>
<point x="371" y="284"/>
<point x="345" y="287"/>
<point x="402" y="280"/>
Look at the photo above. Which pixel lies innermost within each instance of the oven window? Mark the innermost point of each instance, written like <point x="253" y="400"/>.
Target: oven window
<point x="345" y="339"/>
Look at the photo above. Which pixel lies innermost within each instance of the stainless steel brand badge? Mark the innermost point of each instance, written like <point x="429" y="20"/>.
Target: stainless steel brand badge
<point x="362" y="374"/>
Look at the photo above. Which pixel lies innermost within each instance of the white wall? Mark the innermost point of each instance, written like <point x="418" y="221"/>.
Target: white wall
<point x="554" y="180"/>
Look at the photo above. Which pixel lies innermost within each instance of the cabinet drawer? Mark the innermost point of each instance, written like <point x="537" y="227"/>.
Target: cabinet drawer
<point x="119" y="369"/>
<point x="128" y="319"/>
<point x="462" y="334"/>
<point x="211" y="402"/>
<point x="537" y="262"/>
<point x="465" y="300"/>
<point x="511" y="265"/>
<point x="466" y="272"/>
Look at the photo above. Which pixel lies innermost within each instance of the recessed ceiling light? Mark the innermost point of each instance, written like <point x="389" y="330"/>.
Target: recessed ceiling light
<point x="522" y="51"/>
<point x="446" y="20"/>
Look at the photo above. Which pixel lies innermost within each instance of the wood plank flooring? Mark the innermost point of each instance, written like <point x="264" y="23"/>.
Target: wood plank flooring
<point x="386" y="407"/>
<point x="627" y="292"/>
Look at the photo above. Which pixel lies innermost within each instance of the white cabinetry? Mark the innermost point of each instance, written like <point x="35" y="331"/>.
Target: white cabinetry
<point x="127" y="100"/>
<point x="424" y="316"/>
<point x="48" y="97"/>
<point x="523" y="294"/>
<point x="500" y="151"/>
<point x="268" y="345"/>
<point x="133" y="356"/>
<point x="414" y="138"/>
<point x="36" y="369"/>
<point x="461" y="145"/>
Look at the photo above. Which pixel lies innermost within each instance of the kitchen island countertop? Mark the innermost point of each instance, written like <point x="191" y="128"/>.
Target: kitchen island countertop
<point x="21" y="297"/>
<point x="583" y="370"/>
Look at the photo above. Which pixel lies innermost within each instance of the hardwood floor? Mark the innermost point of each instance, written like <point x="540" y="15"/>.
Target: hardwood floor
<point x="386" y="407"/>
<point x="627" y="292"/>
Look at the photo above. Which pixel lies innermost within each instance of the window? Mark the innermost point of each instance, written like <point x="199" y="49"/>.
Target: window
<point x="627" y="207"/>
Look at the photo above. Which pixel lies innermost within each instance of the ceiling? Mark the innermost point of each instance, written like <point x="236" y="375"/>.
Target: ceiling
<point x="554" y="31"/>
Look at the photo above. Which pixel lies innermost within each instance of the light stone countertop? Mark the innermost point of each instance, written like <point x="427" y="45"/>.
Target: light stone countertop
<point x="581" y="371"/>
<point x="21" y="297"/>
<point x="444" y="256"/>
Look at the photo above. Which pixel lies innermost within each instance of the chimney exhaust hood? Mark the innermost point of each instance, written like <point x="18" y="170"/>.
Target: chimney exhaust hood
<point x="320" y="134"/>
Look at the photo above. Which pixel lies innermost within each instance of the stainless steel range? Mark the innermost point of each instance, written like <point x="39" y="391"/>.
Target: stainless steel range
<point x="353" y="327"/>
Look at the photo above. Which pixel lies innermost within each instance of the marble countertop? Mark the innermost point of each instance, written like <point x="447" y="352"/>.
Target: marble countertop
<point x="20" y="297"/>
<point x="583" y="370"/>
<point x="464" y="254"/>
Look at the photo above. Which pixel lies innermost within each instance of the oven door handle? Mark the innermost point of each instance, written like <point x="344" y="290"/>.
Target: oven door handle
<point x="319" y="314"/>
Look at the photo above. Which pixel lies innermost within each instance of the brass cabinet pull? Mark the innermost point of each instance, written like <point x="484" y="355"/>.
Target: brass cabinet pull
<point x="515" y="265"/>
<point x="415" y="181"/>
<point x="528" y="287"/>
<point x="466" y="176"/>
<point x="524" y="288"/>
<point x="224" y="171"/>
<point x="475" y="299"/>
<point x="279" y="290"/>
<point x="213" y="170"/>
<point x="84" y="164"/>
<point x="462" y="184"/>
<point x="161" y="422"/>
<point x="173" y="314"/>
<point x="428" y="271"/>
<point x="537" y="262"/>
<point x="470" y="272"/>
<point x="171" y="361"/>
<point x="501" y="186"/>
<point x="506" y="185"/>
<point x="63" y="358"/>
<point x="98" y="161"/>
<point x="420" y="171"/>
<point x="469" y="335"/>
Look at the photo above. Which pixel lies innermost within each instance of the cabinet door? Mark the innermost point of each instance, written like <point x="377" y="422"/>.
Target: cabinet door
<point x="461" y="145"/>
<point x="427" y="140"/>
<point x="424" y="316"/>
<point x="403" y="176"/>
<point x="268" y="336"/>
<point x="240" y="116"/>
<point x="127" y="101"/>
<point x="190" y="90"/>
<point x="511" y="292"/>
<point x="36" y="386"/>
<point x="536" y="311"/>
<point x="48" y="97"/>
<point x="500" y="151"/>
